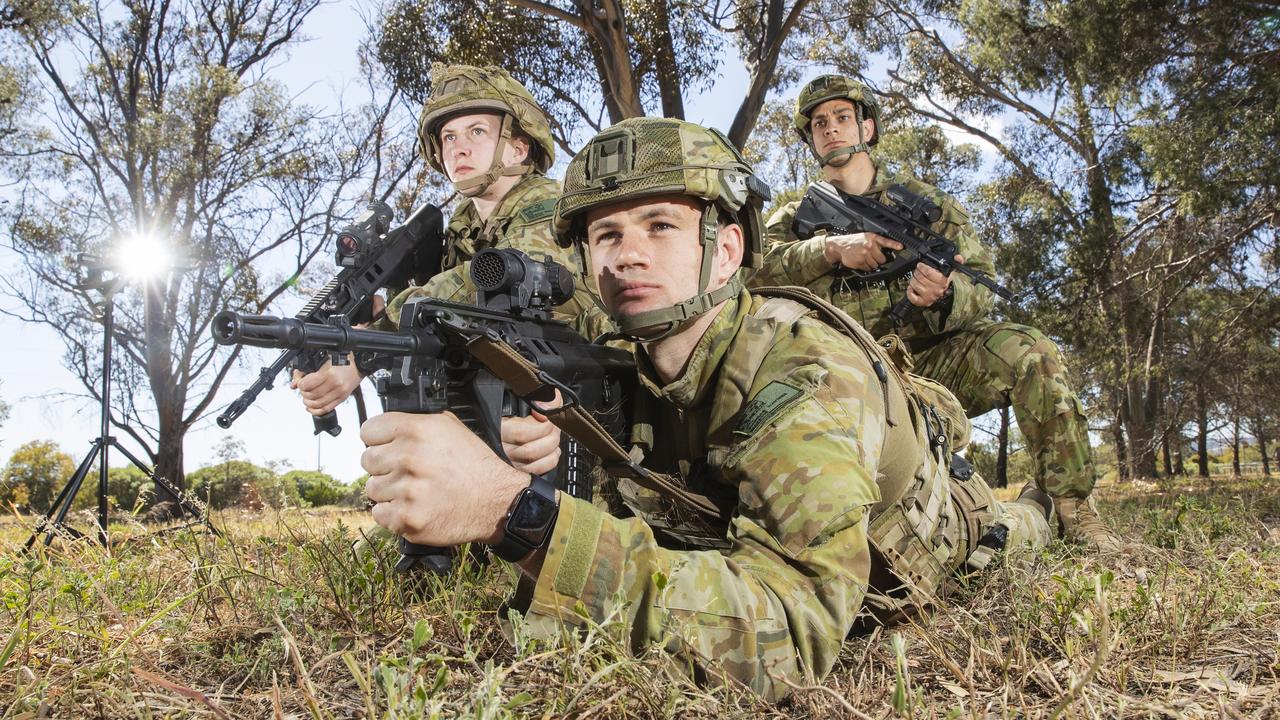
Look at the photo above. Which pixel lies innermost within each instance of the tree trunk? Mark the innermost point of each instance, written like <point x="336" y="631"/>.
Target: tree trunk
<point x="1178" y="467"/>
<point x="1202" y="432"/>
<point x="1122" y="448"/>
<point x="1002" y="449"/>
<point x="777" y="24"/>
<point x="1166" y="455"/>
<point x="1119" y="302"/>
<point x="1261" y="434"/>
<point x="669" y="86"/>
<point x="1235" y="447"/>
<point x="607" y="27"/>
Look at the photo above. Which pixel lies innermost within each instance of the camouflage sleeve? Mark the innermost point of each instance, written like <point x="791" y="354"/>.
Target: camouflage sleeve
<point x="453" y="284"/>
<point x="530" y="232"/>
<point x="787" y="259"/>
<point x="774" y="608"/>
<point x="969" y="301"/>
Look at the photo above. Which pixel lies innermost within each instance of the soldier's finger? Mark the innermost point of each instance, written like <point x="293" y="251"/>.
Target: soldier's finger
<point x="534" y="449"/>
<point x="960" y="259"/>
<point x="388" y="515"/>
<point x="928" y="274"/>
<point x="380" y="429"/>
<point x="542" y="465"/>
<point x="518" y="431"/>
<point x="885" y="242"/>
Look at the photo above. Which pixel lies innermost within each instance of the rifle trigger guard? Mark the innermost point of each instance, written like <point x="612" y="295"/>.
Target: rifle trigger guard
<point x="568" y="397"/>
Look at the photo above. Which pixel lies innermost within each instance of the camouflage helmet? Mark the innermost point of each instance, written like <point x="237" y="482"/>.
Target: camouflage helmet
<point x="644" y="157"/>
<point x="837" y="87"/>
<point x="458" y="89"/>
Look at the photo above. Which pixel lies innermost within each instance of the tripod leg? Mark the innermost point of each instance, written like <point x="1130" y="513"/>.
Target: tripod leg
<point x="180" y="497"/>
<point x="62" y="504"/>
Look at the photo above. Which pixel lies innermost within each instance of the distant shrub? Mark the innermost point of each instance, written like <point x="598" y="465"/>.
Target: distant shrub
<point x="240" y="483"/>
<point x="36" y="472"/>
<point x="355" y="492"/>
<point x="130" y="488"/>
<point x="317" y="488"/>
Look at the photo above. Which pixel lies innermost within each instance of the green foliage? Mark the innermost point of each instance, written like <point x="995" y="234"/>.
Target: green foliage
<point x="317" y="488"/>
<point x="130" y="488"/>
<point x="36" y="472"/>
<point x="243" y="484"/>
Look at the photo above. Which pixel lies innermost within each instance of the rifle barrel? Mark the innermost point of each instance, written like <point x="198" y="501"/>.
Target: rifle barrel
<point x="277" y="332"/>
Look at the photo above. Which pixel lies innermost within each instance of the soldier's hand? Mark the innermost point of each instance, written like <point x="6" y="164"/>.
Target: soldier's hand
<point x="927" y="285"/>
<point x="532" y="443"/>
<point x="859" y="251"/>
<point x="326" y="388"/>
<point x="434" y="482"/>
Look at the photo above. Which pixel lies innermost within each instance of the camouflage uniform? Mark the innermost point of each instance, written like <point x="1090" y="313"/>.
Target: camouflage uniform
<point x="829" y="478"/>
<point x="802" y="462"/>
<point x="520" y="221"/>
<point x="986" y="364"/>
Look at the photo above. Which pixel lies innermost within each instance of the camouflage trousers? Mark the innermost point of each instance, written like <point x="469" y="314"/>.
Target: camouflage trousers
<point x="998" y="364"/>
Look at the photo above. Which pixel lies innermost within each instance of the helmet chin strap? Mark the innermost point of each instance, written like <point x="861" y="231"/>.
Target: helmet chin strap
<point x="680" y="315"/>
<point x="473" y="186"/>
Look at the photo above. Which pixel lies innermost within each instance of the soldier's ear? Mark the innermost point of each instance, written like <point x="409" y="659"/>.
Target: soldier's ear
<point x="519" y="149"/>
<point x="730" y="244"/>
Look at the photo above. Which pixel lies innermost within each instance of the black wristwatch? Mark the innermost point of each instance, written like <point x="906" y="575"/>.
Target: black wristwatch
<point x="529" y="522"/>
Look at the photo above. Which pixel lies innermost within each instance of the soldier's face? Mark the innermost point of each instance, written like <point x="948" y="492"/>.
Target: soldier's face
<point x="834" y="125"/>
<point x="645" y="253"/>
<point x="467" y="144"/>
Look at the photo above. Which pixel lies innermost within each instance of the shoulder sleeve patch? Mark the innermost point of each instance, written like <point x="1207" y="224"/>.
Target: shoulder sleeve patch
<point x="776" y="397"/>
<point x="540" y="210"/>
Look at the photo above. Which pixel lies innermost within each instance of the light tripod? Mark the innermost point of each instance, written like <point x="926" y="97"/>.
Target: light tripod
<point x="55" y="519"/>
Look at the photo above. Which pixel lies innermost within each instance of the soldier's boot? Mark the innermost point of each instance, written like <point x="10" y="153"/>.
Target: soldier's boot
<point x="1025" y="522"/>
<point x="1038" y="499"/>
<point x="1080" y="523"/>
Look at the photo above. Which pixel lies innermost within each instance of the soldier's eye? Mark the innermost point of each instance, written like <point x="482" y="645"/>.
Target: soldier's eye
<point x="603" y="238"/>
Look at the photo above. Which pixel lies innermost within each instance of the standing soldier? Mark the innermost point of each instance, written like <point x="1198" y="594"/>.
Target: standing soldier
<point x="986" y="364"/>
<point x="486" y="133"/>
<point x="783" y="475"/>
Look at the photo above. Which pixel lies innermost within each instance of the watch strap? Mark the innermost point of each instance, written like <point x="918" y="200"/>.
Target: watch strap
<point x="515" y="545"/>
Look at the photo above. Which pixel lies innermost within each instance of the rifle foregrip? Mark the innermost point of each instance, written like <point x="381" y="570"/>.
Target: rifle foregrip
<point x="901" y="312"/>
<point x="327" y="423"/>
<point x="436" y="560"/>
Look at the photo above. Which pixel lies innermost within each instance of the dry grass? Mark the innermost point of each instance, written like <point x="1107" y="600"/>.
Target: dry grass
<point x="280" y="619"/>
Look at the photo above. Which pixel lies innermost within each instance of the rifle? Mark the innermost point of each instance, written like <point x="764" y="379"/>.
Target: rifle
<point x="907" y="221"/>
<point x="444" y="354"/>
<point x="372" y="257"/>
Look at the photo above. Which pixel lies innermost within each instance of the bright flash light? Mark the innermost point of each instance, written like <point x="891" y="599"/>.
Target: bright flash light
<point x="143" y="257"/>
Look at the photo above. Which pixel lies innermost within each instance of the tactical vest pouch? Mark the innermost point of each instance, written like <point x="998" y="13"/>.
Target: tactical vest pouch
<point x="972" y="499"/>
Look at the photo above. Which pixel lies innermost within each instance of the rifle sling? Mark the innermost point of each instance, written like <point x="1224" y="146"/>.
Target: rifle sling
<point x="524" y="379"/>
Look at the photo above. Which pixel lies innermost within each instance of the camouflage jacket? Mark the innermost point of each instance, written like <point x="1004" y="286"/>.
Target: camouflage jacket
<point x="520" y="221"/>
<point x="793" y="261"/>
<point x="782" y="425"/>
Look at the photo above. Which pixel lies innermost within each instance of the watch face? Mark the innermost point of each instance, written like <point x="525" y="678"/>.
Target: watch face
<point x="532" y="517"/>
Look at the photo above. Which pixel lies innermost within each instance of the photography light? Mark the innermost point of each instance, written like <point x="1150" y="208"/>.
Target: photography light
<point x="142" y="257"/>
